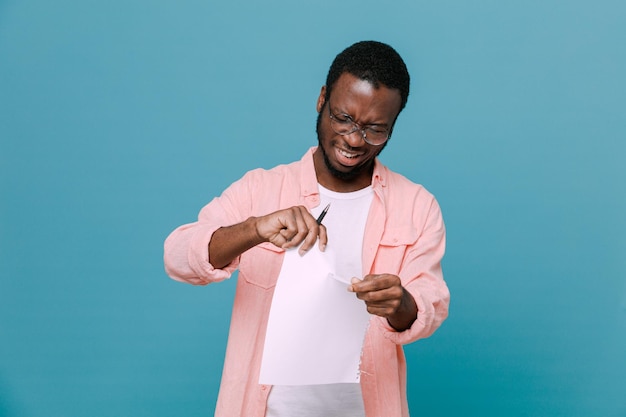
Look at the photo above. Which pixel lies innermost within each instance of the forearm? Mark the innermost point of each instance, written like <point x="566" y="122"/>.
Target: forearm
<point x="227" y="243"/>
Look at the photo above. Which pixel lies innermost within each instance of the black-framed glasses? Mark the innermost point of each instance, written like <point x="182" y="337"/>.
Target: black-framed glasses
<point x="343" y="125"/>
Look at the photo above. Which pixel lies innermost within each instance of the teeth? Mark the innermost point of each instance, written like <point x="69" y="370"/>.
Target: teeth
<point x="348" y="155"/>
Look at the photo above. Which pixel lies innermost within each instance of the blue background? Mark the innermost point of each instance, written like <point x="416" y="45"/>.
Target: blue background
<point x="120" y="120"/>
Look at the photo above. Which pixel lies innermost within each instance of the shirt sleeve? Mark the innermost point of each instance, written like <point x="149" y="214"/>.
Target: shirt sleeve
<point x="422" y="277"/>
<point x="186" y="249"/>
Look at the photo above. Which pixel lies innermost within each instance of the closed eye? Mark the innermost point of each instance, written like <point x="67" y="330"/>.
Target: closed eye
<point x="343" y="118"/>
<point x="376" y="129"/>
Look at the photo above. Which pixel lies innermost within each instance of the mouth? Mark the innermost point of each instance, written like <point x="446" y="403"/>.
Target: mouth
<point x="347" y="158"/>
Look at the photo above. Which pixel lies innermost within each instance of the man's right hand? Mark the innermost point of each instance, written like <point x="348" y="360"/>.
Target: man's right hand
<point x="286" y="229"/>
<point x="291" y="227"/>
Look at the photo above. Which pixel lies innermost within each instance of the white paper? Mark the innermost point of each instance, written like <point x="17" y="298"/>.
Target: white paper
<point x="316" y="326"/>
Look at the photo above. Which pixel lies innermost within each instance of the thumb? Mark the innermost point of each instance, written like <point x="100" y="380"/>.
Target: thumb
<point x="353" y="281"/>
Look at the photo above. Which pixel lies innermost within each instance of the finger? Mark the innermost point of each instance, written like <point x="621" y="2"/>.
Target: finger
<point x="287" y="224"/>
<point x="291" y="222"/>
<point x="302" y="228"/>
<point x="311" y="228"/>
<point x="381" y="304"/>
<point x="381" y="297"/>
<point x="382" y="311"/>
<point x="278" y="240"/>
<point x="281" y="229"/>
<point x="320" y="232"/>
<point x="375" y="282"/>
<point x="367" y="284"/>
<point x="309" y="241"/>
<point x="389" y="298"/>
<point x="323" y="237"/>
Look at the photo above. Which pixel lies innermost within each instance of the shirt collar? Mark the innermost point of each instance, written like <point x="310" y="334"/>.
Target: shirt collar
<point x="308" y="183"/>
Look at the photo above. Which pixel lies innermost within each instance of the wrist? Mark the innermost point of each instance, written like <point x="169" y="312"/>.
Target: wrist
<point x="255" y="231"/>
<point x="406" y="314"/>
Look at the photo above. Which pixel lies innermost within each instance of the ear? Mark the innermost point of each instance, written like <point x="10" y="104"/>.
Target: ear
<point x="321" y="99"/>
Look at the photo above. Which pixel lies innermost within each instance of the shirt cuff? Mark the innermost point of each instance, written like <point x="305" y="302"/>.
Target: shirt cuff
<point x="199" y="257"/>
<point x="418" y="330"/>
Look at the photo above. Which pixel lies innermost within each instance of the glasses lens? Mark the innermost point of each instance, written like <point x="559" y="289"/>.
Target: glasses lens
<point x="376" y="136"/>
<point x="342" y="126"/>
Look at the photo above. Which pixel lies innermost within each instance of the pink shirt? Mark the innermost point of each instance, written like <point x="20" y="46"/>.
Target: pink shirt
<point x="405" y="236"/>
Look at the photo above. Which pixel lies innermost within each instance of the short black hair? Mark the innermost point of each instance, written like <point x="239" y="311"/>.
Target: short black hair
<point x="372" y="61"/>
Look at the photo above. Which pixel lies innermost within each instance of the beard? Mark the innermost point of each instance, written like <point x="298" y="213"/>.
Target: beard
<point x="342" y="175"/>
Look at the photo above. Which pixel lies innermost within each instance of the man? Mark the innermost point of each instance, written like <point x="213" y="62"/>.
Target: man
<point x="393" y="248"/>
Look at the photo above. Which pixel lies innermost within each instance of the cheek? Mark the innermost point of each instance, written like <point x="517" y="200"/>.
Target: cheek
<point x="326" y="135"/>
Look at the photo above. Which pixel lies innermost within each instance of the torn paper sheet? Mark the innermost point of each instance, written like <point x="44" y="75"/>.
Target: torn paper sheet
<point x="316" y="326"/>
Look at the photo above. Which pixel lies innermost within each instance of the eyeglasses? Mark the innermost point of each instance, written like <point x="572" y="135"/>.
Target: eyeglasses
<point x="343" y="125"/>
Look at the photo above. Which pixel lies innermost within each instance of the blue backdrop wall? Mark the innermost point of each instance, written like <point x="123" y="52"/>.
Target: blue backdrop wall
<point x="120" y="120"/>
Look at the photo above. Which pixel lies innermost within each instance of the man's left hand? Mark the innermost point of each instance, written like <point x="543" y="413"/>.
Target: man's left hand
<point x="385" y="296"/>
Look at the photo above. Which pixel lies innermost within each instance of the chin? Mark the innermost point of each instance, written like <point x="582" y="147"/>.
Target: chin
<point x="337" y="173"/>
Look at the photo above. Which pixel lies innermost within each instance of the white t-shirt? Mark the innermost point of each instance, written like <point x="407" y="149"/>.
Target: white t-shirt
<point x="345" y="223"/>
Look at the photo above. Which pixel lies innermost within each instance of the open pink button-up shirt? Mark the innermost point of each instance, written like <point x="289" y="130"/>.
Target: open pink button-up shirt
<point x="404" y="235"/>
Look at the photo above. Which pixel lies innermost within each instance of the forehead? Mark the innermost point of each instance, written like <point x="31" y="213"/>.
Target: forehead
<point x="356" y="96"/>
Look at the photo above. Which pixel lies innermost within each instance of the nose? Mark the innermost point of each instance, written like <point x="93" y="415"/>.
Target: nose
<point x="355" y="139"/>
